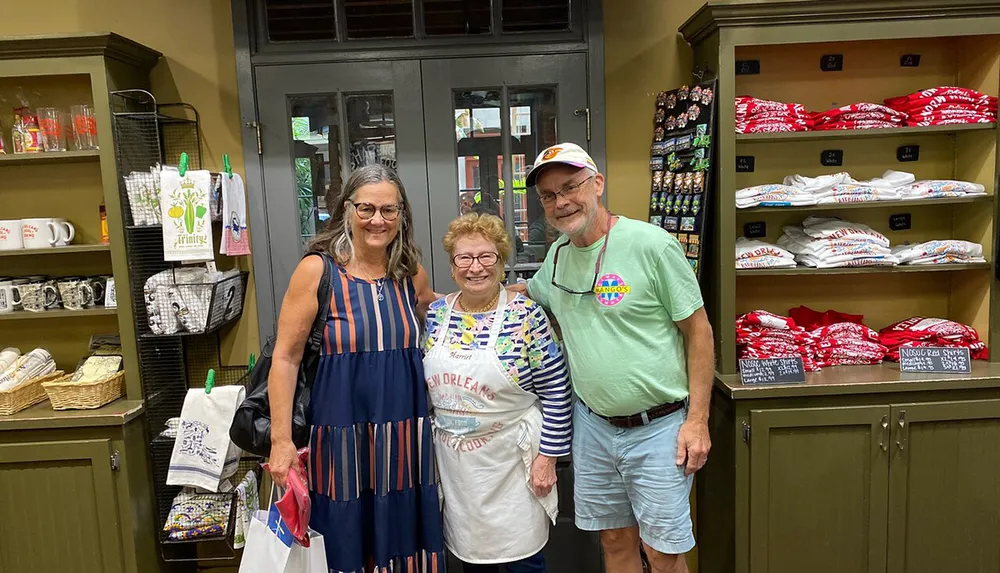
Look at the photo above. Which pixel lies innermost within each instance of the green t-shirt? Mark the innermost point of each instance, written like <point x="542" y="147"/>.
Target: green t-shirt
<point x="625" y="353"/>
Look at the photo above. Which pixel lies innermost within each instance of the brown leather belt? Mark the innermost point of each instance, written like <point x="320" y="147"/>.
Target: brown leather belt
<point x="640" y="419"/>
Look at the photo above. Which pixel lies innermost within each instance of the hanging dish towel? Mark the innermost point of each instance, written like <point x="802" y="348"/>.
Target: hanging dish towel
<point x="187" y="228"/>
<point x="203" y="448"/>
<point x="247" y="503"/>
<point x="235" y="239"/>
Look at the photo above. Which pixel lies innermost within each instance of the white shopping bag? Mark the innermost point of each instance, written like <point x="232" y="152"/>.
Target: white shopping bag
<point x="270" y="548"/>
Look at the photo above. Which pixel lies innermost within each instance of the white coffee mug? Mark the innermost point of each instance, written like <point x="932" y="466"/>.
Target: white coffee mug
<point x="65" y="232"/>
<point x="6" y="297"/>
<point x="10" y="235"/>
<point x="39" y="233"/>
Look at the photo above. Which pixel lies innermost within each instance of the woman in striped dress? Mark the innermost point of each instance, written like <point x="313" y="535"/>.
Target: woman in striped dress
<point x="371" y="470"/>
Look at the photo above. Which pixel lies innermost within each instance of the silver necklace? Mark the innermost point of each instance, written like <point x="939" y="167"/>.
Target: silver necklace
<point x="379" y="283"/>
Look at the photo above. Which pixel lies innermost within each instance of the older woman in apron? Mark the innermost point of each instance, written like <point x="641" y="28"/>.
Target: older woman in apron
<point x="501" y="403"/>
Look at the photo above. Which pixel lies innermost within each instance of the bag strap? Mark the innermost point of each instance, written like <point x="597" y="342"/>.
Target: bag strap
<point x="323" y="294"/>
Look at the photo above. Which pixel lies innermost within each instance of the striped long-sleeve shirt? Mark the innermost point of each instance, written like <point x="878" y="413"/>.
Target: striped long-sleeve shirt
<point x="530" y="353"/>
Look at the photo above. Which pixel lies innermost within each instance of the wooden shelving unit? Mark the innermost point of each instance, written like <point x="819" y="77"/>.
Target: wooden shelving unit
<point x="51" y="157"/>
<point x="59" y="313"/>
<point x="68" y="249"/>
<point x="865" y="133"/>
<point x="856" y="468"/>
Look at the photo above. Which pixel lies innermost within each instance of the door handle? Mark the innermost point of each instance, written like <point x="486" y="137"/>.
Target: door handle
<point x="579" y="112"/>
<point x="901" y="436"/>
<point x="883" y="433"/>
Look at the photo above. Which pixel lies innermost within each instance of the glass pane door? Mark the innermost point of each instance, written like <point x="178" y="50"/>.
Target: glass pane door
<point x="487" y="119"/>
<point x="318" y="123"/>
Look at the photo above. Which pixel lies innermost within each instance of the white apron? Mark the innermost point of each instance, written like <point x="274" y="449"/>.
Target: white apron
<point x="487" y="430"/>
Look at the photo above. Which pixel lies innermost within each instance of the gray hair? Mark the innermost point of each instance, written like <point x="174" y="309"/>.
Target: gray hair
<point x="336" y="239"/>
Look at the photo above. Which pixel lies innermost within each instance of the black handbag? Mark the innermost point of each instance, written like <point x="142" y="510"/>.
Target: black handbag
<point x="251" y="428"/>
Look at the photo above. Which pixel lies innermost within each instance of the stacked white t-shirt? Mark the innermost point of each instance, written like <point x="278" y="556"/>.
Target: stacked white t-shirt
<point x="934" y="188"/>
<point x="754" y="254"/>
<point x="941" y="252"/>
<point x="773" y="195"/>
<point x="829" y="242"/>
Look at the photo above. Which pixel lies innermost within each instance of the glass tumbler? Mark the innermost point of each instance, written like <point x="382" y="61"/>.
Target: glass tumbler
<point x="84" y="126"/>
<point x="50" y="123"/>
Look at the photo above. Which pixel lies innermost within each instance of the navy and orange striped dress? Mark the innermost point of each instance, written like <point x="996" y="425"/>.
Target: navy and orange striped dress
<point x="373" y="482"/>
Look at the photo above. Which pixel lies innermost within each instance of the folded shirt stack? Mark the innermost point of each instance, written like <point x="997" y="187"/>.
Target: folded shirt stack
<point x="799" y="190"/>
<point x="936" y="188"/>
<point x="754" y="254"/>
<point x="839" y="339"/>
<point x="830" y="242"/>
<point x="945" y="105"/>
<point x="942" y="252"/>
<point x="859" y="116"/>
<point x="921" y="331"/>
<point x="761" y="334"/>
<point x="764" y="116"/>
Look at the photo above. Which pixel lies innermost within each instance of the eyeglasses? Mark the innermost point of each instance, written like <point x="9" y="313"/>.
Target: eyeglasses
<point x="567" y="191"/>
<point x="367" y="211"/>
<point x="597" y="266"/>
<point x="464" y="261"/>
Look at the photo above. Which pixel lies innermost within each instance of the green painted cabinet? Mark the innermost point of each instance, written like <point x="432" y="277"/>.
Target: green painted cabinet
<point x="944" y="494"/>
<point x="856" y="476"/>
<point x="58" y="507"/>
<point x="819" y="483"/>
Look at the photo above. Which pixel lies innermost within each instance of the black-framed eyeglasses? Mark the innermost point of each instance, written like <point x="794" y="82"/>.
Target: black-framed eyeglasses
<point x="367" y="210"/>
<point x="464" y="261"/>
<point x="567" y="191"/>
<point x="597" y="266"/>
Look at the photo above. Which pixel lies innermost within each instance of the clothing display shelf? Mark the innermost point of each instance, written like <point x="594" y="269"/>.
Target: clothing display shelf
<point x="825" y="54"/>
<point x="147" y="134"/>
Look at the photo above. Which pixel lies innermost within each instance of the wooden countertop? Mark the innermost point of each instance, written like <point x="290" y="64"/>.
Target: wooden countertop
<point x="43" y="417"/>
<point x="845" y="380"/>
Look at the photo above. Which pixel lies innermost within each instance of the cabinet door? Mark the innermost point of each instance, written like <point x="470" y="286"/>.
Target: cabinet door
<point x="818" y="489"/>
<point x="58" y="510"/>
<point x="944" y="497"/>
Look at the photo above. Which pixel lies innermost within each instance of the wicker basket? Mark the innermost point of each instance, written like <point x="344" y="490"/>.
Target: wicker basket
<point x="68" y="395"/>
<point x="25" y="395"/>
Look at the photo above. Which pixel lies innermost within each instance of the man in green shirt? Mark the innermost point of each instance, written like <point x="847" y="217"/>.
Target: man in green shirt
<point x="640" y="351"/>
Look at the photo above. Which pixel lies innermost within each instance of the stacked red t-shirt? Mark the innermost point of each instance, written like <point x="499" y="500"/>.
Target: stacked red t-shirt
<point x="761" y="334"/>
<point x="764" y="116"/>
<point x="839" y="339"/>
<point x="920" y="331"/>
<point x="858" y="116"/>
<point x="946" y="105"/>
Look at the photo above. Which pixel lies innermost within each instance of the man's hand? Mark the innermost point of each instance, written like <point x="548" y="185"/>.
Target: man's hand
<point x="518" y="288"/>
<point x="693" y="444"/>
<point x="543" y="475"/>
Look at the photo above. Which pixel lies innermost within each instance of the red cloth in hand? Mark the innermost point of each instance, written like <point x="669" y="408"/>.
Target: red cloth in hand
<point x="295" y="506"/>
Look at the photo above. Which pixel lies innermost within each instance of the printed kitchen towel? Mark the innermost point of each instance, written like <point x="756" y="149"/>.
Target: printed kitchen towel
<point x="235" y="239"/>
<point x="203" y="446"/>
<point x="187" y="227"/>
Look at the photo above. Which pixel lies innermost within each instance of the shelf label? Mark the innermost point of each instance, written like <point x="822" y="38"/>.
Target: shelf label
<point x="935" y="359"/>
<point x="747" y="67"/>
<point x="832" y="63"/>
<point x="745" y="163"/>
<point x="909" y="60"/>
<point x="900" y="221"/>
<point x="755" y="230"/>
<point x="757" y="371"/>
<point x="906" y="153"/>
<point x="831" y="157"/>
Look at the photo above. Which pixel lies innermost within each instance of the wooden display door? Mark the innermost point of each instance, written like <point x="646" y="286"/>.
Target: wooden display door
<point x="830" y="464"/>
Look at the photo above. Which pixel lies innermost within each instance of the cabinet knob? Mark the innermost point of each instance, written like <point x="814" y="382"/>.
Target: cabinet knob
<point x="901" y="435"/>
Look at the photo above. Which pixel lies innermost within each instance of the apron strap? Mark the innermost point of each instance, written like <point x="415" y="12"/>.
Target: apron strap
<point x="443" y="326"/>
<point x="498" y="318"/>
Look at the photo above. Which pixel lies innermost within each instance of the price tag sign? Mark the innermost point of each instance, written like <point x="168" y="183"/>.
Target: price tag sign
<point x="745" y="163"/>
<point x="755" y="230"/>
<point x="747" y="67"/>
<point x="909" y="60"/>
<point x="832" y="63"/>
<point x="935" y="359"/>
<point x="900" y="221"/>
<point x="906" y="153"/>
<point x="762" y="371"/>
<point x="831" y="157"/>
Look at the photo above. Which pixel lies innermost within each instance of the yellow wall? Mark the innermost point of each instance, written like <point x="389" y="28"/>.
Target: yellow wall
<point x="198" y="67"/>
<point x="644" y="55"/>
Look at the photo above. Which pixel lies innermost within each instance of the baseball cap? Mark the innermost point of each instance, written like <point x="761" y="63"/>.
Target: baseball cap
<point x="568" y="153"/>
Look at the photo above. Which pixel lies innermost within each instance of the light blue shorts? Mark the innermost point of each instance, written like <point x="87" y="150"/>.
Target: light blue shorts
<point x="627" y="477"/>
